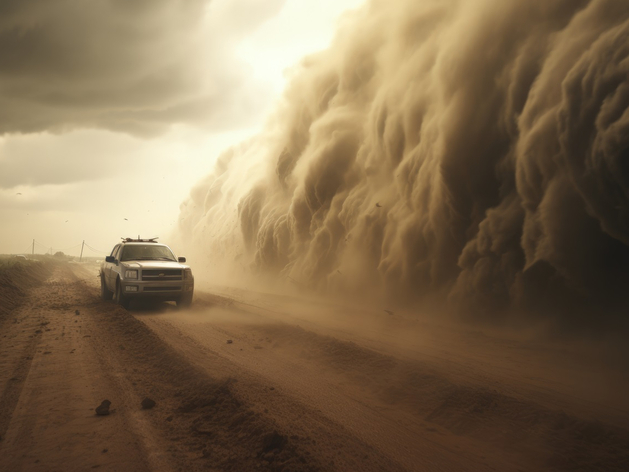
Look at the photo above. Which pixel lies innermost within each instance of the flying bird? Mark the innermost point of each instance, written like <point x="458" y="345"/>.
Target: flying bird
<point x="388" y="312"/>
<point x="67" y="221"/>
<point x="378" y="205"/>
<point x="126" y="219"/>
<point x="19" y="193"/>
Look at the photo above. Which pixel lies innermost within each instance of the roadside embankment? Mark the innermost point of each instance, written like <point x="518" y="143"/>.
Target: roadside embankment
<point x="17" y="275"/>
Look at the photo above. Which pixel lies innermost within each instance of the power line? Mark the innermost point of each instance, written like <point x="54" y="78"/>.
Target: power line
<point x="51" y="248"/>
<point x="69" y="248"/>
<point x="42" y="245"/>
<point x="96" y="250"/>
<point x="47" y="249"/>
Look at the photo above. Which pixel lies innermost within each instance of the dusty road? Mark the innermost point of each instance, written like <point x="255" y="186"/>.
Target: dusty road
<point x="247" y="381"/>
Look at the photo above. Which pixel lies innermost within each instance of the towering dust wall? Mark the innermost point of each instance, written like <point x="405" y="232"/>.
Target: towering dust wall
<point x="472" y="152"/>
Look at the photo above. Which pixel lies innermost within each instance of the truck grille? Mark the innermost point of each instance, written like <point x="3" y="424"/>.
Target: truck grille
<point x="161" y="289"/>
<point x="161" y="275"/>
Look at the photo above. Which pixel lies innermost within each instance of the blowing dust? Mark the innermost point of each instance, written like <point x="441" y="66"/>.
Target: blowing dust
<point x="471" y="154"/>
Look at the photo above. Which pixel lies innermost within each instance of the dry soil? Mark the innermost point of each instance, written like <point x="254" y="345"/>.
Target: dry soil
<point x="252" y="381"/>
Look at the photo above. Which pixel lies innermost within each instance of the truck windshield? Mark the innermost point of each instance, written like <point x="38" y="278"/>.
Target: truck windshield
<point x="142" y="252"/>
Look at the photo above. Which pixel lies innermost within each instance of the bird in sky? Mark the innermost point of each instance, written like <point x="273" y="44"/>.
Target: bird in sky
<point x="19" y="193"/>
<point x="388" y="312"/>
<point x="378" y="205"/>
<point x="126" y="219"/>
<point x="67" y="221"/>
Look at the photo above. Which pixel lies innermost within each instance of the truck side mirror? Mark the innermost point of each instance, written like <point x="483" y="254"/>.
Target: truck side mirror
<point x="110" y="259"/>
<point x="181" y="259"/>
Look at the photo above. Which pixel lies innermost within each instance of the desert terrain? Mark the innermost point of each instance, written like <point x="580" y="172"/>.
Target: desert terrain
<point x="254" y="381"/>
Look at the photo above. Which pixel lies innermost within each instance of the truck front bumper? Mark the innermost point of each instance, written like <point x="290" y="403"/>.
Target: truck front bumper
<point x="167" y="290"/>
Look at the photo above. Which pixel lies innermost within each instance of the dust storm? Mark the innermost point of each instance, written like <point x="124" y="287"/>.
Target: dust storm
<point x="469" y="154"/>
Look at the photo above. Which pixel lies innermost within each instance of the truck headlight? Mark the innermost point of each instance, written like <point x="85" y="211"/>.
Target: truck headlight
<point x="131" y="274"/>
<point x="187" y="274"/>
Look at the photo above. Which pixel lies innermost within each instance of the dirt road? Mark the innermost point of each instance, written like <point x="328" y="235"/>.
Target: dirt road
<point x="248" y="381"/>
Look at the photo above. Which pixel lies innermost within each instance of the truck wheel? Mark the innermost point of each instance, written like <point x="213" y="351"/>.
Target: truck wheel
<point x="119" y="298"/>
<point x="105" y="293"/>
<point x="184" y="301"/>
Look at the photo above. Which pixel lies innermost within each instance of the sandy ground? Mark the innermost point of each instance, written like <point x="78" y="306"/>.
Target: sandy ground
<point x="251" y="381"/>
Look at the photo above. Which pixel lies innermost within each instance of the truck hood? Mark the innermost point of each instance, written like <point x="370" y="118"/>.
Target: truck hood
<point x="154" y="265"/>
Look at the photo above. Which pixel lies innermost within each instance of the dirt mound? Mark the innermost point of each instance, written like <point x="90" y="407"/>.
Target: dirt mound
<point x="17" y="276"/>
<point x="235" y="437"/>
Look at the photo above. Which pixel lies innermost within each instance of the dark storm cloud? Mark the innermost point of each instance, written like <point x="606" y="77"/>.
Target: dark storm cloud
<point x="132" y="66"/>
<point x="474" y="152"/>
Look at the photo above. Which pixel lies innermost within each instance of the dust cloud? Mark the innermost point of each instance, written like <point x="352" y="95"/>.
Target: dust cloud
<point x="472" y="154"/>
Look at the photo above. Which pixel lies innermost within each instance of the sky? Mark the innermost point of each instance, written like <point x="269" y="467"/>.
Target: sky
<point x="111" y="111"/>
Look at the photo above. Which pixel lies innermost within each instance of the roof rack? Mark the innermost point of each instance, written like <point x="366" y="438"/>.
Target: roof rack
<point x="139" y="240"/>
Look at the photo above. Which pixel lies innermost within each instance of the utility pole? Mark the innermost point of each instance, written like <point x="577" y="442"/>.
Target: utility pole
<point x="33" y="250"/>
<point x="81" y="256"/>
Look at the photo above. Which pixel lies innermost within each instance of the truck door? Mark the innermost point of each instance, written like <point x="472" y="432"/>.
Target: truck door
<point x="110" y="273"/>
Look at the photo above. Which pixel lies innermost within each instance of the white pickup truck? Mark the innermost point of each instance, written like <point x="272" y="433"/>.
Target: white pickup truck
<point x="144" y="268"/>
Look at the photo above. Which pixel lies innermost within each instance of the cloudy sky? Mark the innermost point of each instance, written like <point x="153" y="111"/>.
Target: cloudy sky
<point x="110" y="111"/>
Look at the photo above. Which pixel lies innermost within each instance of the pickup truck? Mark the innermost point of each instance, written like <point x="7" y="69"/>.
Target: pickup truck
<point x="145" y="269"/>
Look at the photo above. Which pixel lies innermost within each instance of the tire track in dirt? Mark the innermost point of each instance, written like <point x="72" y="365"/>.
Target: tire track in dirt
<point x="199" y="421"/>
<point x="515" y="430"/>
<point x="338" y="446"/>
<point x="13" y="388"/>
<point x="51" y="424"/>
<point x="16" y="278"/>
<point x="102" y="350"/>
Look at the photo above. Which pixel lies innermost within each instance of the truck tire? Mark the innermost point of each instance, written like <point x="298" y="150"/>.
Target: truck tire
<point x="105" y="293"/>
<point x="184" y="301"/>
<point x="119" y="298"/>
